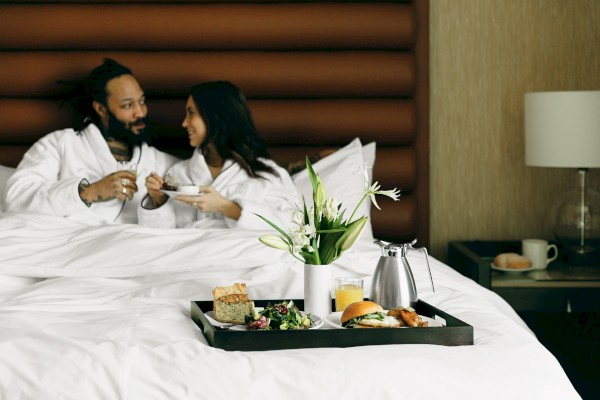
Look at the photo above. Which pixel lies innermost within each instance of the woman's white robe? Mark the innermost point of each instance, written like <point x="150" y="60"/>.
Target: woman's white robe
<point x="47" y="179"/>
<point x="272" y="197"/>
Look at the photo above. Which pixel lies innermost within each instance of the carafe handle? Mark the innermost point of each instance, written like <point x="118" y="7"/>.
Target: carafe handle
<point x="424" y="251"/>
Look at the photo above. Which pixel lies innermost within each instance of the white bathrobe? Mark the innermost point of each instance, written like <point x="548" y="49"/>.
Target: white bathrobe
<point x="272" y="197"/>
<point x="47" y="179"/>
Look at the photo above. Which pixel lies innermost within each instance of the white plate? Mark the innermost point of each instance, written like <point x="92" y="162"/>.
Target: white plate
<point x="511" y="270"/>
<point x="334" y="319"/>
<point x="210" y="316"/>
<point x="316" y="324"/>
<point x="174" y="193"/>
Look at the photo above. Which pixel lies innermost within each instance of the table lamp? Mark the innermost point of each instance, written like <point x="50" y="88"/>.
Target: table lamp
<point x="562" y="129"/>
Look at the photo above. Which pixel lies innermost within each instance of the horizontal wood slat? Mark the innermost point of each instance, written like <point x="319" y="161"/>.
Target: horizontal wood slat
<point x="397" y="220"/>
<point x="283" y="122"/>
<point x="200" y="26"/>
<point x="317" y="121"/>
<point x="330" y="74"/>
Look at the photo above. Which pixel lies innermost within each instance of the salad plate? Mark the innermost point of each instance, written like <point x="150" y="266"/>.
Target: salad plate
<point x="316" y="323"/>
<point x="173" y="193"/>
<point x="334" y="319"/>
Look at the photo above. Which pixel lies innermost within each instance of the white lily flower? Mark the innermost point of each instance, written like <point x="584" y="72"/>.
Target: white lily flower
<point x="375" y="189"/>
<point x="300" y="238"/>
<point x="297" y="216"/>
<point x="309" y="230"/>
<point x="274" y="241"/>
<point x="393" y="193"/>
<point x="331" y="209"/>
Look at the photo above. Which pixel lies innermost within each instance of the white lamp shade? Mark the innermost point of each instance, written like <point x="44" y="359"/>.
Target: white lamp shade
<point x="562" y="129"/>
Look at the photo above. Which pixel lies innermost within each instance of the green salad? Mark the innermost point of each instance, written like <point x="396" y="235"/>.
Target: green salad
<point x="282" y="316"/>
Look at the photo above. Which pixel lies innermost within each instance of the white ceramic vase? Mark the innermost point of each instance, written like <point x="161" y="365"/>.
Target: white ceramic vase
<point x="317" y="289"/>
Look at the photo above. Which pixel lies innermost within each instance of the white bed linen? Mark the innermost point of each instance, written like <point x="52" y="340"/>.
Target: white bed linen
<point x="96" y="329"/>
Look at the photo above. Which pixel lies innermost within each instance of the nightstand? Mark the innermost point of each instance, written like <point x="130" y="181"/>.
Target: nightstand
<point x="560" y="304"/>
<point x="559" y="288"/>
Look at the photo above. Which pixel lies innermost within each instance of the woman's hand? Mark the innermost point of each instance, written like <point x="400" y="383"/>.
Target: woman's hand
<point x="118" y="185"/>
<point x="212" y="201"/>
<point x="154" y="183"/>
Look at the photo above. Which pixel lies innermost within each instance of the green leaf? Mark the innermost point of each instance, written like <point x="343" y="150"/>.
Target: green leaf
<point x="350" y="236"/>
<point x="278" y="229"/>
<point x="309" y="258"/>
<point x="327" y="246"/>
<point x="331" y="230"/>
<point x="312" y="175"/>
<point x="305" y="213"/>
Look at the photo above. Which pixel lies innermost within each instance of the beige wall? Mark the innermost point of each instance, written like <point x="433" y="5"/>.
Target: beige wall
<point x="485" y="54"/>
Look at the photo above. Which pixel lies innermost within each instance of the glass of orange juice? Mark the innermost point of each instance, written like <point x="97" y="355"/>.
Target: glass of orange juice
<point x="347" y="291"/>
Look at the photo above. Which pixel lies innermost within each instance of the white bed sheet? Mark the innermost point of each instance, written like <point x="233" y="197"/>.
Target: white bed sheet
<point x="112" y="322"/>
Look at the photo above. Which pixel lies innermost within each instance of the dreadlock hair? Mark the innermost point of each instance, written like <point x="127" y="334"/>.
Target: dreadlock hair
<point x="229" y="125"/>
<point x="81" y="94"/>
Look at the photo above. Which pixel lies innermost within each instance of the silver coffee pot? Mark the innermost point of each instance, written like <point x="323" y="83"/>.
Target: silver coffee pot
<point x="393" y="282"/>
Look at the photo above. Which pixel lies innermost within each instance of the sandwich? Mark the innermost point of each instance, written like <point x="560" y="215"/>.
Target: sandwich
<point x="367" y="314"/>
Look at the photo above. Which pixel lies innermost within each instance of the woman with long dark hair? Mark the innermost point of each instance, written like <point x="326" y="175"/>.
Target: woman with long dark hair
<point x="231" y="167"/>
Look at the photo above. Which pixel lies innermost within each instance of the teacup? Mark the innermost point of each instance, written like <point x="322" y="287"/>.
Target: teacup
<point x="188" y="189"/>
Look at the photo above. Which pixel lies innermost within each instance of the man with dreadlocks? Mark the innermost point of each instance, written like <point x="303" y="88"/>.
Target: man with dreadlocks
<point x="75" y="172"/>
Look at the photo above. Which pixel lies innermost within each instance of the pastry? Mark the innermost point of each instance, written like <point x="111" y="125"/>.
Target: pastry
<point x="512" y="261"/>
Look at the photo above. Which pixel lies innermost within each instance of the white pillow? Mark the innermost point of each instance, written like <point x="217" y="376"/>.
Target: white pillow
<point x="5" y="173"/>
<point x="342" y="179"/>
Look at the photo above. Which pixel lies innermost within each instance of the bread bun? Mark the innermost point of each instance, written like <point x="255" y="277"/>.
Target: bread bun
<point x="512" y="261"/>
<point x="359" y="309"/>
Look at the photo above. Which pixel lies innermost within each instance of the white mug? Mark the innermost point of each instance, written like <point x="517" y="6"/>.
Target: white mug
<point x="536" y="250"/>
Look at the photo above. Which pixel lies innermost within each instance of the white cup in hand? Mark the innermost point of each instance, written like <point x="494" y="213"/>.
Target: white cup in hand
<point x="536" y="250"/>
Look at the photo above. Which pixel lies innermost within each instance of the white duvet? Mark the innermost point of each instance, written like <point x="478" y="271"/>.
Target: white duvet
<point x="111" y="321"/>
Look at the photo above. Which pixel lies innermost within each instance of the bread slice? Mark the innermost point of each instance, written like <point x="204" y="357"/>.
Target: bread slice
<point x="236" y="288"/>
<point x="232" y="304"/>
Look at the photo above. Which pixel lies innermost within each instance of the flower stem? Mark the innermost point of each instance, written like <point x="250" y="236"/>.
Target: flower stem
<point x="358" y="205"/>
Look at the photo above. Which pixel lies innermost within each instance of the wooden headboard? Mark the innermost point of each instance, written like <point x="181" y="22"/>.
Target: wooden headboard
<point x="317" y="74"/>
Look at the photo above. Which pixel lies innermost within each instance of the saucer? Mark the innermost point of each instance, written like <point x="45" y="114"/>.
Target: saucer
<point x="511" y="270"/>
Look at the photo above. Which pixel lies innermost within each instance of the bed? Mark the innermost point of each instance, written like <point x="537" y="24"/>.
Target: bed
<point x="103" y="312"/>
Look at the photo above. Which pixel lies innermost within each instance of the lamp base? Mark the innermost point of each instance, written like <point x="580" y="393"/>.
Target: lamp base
<point x="574" y="254"/>
<point x="577" y="226"/>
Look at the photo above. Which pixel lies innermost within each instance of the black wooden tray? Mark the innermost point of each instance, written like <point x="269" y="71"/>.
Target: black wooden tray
<point x="454" y="333"/>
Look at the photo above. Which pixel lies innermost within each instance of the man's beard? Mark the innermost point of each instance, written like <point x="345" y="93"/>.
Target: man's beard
<point x="120" y="131"/>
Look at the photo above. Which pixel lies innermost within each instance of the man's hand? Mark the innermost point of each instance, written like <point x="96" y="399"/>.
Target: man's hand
<point x="118" y="185"/>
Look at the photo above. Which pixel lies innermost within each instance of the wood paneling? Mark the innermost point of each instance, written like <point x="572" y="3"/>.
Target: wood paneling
<point x="316" y="74"/>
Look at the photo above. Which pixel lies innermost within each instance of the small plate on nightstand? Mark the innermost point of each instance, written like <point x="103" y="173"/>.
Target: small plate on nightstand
<point x="511" y="270"/>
